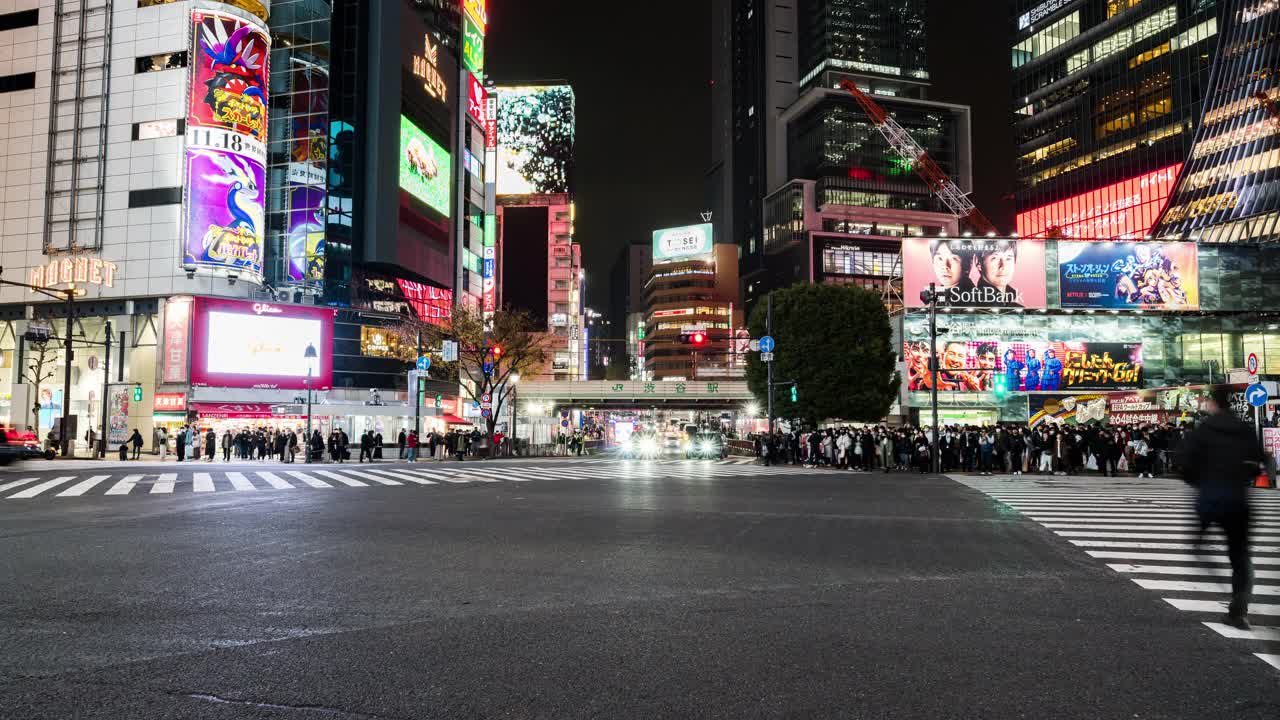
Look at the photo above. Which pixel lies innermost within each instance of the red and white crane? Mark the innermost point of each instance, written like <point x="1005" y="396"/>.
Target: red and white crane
<point x="910" y="151"/>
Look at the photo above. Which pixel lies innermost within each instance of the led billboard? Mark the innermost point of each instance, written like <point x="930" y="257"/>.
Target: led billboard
<point x="424" y="167"/>
<point x="1124" y="210"/>
<point x="975" y="272"/>
<point x="1129" y="275"/>
<point x="682" y="243"/>
<point x="224" y="210"/>
<point x="1025" y="366"/>
<point x="260" y="345"/>
<point x="535" y="139"/>
<point x="228" y="74"/>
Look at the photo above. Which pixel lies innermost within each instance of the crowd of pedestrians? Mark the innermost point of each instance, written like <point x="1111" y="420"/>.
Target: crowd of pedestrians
<point x="1145" y="450"/>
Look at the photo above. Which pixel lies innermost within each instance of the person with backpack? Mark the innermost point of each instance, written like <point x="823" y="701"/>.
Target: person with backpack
<point x="136" y="441"/>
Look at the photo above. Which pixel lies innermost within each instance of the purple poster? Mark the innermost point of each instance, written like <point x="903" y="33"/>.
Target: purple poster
<point x="306" y="234"/>
<point x="224" y="210"/>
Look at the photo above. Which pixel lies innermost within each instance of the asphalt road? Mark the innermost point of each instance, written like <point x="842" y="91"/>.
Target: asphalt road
<point x="672" y="592"/>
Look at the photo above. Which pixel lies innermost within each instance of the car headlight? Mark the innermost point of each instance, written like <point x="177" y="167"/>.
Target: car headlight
<point x="649" y="445"/>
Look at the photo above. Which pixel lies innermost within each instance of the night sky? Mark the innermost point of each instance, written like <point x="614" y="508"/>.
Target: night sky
<point x="643" y="101"/>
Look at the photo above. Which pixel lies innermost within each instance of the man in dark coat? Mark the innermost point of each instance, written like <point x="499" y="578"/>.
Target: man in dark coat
<point x="1220" y="458"/>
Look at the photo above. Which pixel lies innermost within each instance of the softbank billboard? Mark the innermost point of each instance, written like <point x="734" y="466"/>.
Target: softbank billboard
<point x="260" y="345"/>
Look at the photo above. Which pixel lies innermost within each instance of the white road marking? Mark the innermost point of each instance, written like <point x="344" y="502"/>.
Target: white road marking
<point x="274" y="481"/>
<point x="83" y="486"/>
<point x="1269" y="634"/>
<point x="1183" y="586"/>
<point x="1257" y="547"/>
<point x="124" y="486"/>
<point x="341" y="478"/>
<point x="202" y="483"/>
<point x="374" y="478"/>
<point x="404" y="476"/>
<point x="1272" y="660"/>
<point x="1131" y="536"/>
<point x="477" y="475"/>
<point x="1218" y="606"/>
<point x="1174" y="557"/>
<point x="1187" y="570"/>
<point x="313" y="482"/>
<point x="17" y="483"/>
<point x="240" y="482"/>
<point x="164" y="485"/>
<point x="35" y="490"/>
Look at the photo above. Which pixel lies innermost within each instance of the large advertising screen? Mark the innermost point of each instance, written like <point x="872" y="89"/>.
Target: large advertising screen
<point x="260" y="345"/>
<point x="535" y="139"/>
<point x="424" y="167"/>
<point x="228" y="74"/>
<point x="1025" y="366"/>
<point x="224" y="209"/>
<point x="1123" y="210"/>
<point x="975" y="272"/>
<point x="1129" y="275"/>
<point x="682" y="243"/>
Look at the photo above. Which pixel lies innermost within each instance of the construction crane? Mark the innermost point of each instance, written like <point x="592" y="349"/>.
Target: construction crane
<point x="910" y="151"/>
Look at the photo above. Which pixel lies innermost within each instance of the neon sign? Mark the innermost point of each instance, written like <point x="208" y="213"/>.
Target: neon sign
<point x="427" y="68"/>
<point x="72" y="271"/>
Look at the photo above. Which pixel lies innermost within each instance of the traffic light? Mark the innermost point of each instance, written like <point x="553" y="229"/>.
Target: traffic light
<point x="694" y="338"/>
<point x="439" y="400"/>
<point x="497" y="352"/>
<point x="795" y="393"/>
<point x="137" y="393"/>
<point x="1001" y="386"/>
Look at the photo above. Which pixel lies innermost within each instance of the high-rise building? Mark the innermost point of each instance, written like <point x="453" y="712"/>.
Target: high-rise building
<point x="691" y="307"/>
<point x="539" y="261"/>
<point x="1107" y="96"/>
<point x="1229" y="190"/>
<point x="626" y="288"/>
<point x="798" y="164"/>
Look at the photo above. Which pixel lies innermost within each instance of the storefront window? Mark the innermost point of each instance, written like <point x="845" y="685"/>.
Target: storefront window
<point x="378" y="342"/>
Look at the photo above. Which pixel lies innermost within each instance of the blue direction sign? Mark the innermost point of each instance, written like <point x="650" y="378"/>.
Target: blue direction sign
<point x="1257" y="395"/>
<point x="767" y="344"/>
<point x="486" y="412"/>
<point x="424" y="363"/>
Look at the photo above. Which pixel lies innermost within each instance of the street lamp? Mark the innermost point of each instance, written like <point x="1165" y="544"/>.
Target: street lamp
<point x="310" y="357"/>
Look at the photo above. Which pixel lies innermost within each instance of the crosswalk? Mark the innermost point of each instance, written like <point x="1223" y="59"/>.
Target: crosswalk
<point x="1146" y="530"/>
<point x="208" y="479"/>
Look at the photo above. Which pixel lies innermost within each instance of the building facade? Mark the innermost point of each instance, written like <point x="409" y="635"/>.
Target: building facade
<point x="692" y="289"/>
<point x="1107" y="96"/>
<point x="627" y="287"/>
<point x="215" y="160"/>
<point x="794" y="148"/>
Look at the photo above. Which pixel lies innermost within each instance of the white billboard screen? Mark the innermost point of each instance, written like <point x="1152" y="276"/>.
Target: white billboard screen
<point x="241" y="344"/>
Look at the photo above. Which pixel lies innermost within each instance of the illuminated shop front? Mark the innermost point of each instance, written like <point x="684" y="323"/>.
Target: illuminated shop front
<point x="1085" y="317"/>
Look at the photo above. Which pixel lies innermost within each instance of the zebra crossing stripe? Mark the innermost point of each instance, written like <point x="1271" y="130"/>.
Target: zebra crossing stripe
<point x="1272" y="660"/>
<point x="342" y="479"/>
<point x="437" y="475"/>
<point x="17" y="483"/>
<point x="374" y="478"/>
<point x="1183" y="586"/>
<point x="313" y="482"/>
<point x="35" y="490"/>
<point x="1131" y="536"/>
<point x="274" y="480"/>
<point x="1268" y="634"/>
<point x="1175" y="557"/>
<point x="1187" y="570"/>
<point x="165" y="485"/>
<point x="240" y="482"/>
<point x="124" y="486"/>
<point x="202" y="483"/>
<point x="477" y="475"/>
<point x="83" y="486"/>
<point x="404" y="476"/>
<point x="1257" y="547"/>
<point x="1219" y="606"/>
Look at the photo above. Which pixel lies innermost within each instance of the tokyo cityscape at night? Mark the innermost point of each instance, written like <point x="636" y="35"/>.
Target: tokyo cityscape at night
<point x="410" y="359"/>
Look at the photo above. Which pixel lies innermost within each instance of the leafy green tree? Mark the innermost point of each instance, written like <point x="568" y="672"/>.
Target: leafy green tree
<point x="837" y="343"/>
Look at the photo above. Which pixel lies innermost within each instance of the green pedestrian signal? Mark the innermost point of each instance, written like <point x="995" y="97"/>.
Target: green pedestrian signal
<point x="795" y="393"/>
<point x="137" y="393"/>
<point x="1001" y="386"/>
<point x="439" y="400"/>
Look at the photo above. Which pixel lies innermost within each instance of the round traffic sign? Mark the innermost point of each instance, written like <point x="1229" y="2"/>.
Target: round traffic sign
<point x="767" y="344"/>
<point x="424" y="363"/>
<point x="486" y="412"/>
<point x="1253" y="364"/>
<point x="1257" y="395"/>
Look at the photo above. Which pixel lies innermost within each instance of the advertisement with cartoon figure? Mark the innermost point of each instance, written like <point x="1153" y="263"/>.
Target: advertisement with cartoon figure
<point x="224" y="210"/>
<point x="229" y="74"/>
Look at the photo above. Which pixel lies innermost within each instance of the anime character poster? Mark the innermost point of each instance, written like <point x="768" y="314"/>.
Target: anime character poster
<point x="228" y="74"/>
<point x="1129" y="275"/>
<point x="306" y="233"/>
<point x="224" y="210"/>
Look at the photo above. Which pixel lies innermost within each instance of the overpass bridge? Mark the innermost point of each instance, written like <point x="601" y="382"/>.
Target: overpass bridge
<point x="634" y="394"/>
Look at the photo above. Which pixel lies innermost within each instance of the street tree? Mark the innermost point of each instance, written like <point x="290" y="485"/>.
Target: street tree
<point x="492" y="354"/>
<point x="836" y="342"/>
<point x="41" y="368"/>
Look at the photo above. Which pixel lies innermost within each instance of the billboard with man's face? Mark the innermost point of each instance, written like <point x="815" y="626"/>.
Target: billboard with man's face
<point x="975" y="272"/>
<point x="1025" y="366"/>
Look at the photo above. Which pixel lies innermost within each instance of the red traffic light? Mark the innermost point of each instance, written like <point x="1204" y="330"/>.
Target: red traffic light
<point x="497" y="351"/>
<point x="699" y="338"/>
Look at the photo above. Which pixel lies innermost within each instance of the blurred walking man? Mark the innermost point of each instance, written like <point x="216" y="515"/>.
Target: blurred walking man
<point x="1221" y="457"/>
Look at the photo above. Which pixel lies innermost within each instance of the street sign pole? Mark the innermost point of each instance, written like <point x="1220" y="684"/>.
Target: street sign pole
<point x="768" y="330"/>
<point x="933" y="366"/>
<point x="417" y="397"/>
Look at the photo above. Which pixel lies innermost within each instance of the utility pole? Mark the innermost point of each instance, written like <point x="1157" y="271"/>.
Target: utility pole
<point x="932" y="298"/>
<point x="417" y="394"/>
<point x="101" y="450"/>
<point x="65" y="435"/>
<point x="768" y="330"/>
